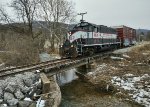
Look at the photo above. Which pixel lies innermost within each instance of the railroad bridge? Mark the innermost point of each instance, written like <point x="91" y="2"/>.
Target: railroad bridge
<point x="50" y="68"/>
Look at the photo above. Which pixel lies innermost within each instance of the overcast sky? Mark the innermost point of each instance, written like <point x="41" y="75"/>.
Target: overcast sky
<point x="133" y="13"/>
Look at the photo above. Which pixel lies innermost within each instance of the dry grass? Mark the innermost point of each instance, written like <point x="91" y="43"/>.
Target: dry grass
<point x="140" y="53"/>
<point x="20" y="50"/>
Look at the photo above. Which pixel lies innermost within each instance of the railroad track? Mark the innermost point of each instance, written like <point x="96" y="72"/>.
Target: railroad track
<point x="32" y="67"/>
<point x="50" y="66"/>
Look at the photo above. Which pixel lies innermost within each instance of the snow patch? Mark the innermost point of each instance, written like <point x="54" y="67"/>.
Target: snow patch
<point x="116" y="58"/>
<point x="138" y="87"/>
<point x="40" y="103"/>
<point x="4" y="105"/>
<point x="27" y="99"/>
<point x="100" y="68"/>
<point x="125" y="56"/>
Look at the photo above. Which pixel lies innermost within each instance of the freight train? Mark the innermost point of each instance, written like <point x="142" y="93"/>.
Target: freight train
<point x="126" y="34"/>
<point x="87" y="38"/>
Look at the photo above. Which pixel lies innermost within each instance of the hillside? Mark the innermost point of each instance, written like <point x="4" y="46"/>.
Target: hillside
<point x="139" y="31"/>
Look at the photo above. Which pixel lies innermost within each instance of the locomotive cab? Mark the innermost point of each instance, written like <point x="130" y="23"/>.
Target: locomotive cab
<point x="68" y="50"/>
<point x="72" y="47"/>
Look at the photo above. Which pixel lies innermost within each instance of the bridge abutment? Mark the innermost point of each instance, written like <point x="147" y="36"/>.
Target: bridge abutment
<point x="45" y="83"/>
<point x="92" y="65"/>
<point x="87" y="68"/>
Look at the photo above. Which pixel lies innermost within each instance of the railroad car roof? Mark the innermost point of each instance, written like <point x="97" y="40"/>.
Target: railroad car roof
<point x="121" y="26"/>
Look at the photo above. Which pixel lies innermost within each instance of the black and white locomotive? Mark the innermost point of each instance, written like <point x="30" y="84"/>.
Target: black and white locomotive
<point x="87" y="38"/>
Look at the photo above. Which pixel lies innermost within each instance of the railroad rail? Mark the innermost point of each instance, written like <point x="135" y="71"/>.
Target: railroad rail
<point x="31" y="67"/>
<point x="54" y="66"/>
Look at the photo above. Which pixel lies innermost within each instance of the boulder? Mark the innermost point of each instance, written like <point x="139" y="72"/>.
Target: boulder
<point x="19" y="76"/>
<point x="3" y="84"/>
<point x="19" y="95"/>
<point x="38" y="84"/>
<point x="3" y="105"/>
<point x="28" y="82"/>
<point x="1" y="93"/>
<point x="11" y="87"/>
<point x="32" y="91"/>
<point x="37" y="76"/>
<point x="9" y="98"/>
<point x="15" y="82"/>
<point x="33" y="105"/>
<point x="38" y="92"/>
<point x="24" y="103"/>
<point x="19" y="79"/>
<point x="24" y="89"/>
<point x="13" y="102"/>
<point x="2" y="66"/>
<point x="31" y="75"/>
<point x="1" y="101"/>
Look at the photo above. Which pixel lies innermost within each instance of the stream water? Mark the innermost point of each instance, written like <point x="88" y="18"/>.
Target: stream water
<point x="78" y="93"/>
<point x="66" y="77"/>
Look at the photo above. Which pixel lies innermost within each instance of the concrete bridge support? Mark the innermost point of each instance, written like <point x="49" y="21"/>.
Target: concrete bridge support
<point x="92" y="65"/>
<point x="50" y="91"/>
<point x="87" y="68"/>
<point x="45" y="83"/>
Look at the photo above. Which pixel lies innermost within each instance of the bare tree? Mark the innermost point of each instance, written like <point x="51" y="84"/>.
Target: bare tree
<point x="6" y="19"/>
<point x="25" y="10"/>
<point x="4" y="16"/>
<point x="56" y="12"/>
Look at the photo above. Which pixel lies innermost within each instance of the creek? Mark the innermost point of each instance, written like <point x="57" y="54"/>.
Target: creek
<point x="78" y="93"/>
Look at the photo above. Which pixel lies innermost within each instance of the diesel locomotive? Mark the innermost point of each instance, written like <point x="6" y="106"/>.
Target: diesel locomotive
<point x="87" y="38"/>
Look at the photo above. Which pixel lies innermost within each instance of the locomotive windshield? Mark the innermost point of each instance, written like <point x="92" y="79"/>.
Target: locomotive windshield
<point x="82" y="26"/>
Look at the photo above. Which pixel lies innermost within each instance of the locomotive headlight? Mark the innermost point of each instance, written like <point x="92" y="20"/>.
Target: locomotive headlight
<point x="69" y="33"/>
<point x="71" y="45"/>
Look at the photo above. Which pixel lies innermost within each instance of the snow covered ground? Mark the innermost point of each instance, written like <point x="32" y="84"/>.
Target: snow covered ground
<point x="124" y="50"/>
<point x="138" y="87"/>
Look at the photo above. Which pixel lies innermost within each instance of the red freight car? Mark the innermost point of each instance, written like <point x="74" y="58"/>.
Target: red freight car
<point x="126" y="34"/>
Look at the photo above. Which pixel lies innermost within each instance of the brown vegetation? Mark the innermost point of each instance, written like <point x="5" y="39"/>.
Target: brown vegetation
<point x="141" y="53"/>
<point x="23" y="38"/>
<point x="19" y="49"/>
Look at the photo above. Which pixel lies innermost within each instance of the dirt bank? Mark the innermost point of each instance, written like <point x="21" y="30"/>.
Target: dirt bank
<point x="126" y="73"/>
<point x="82" y="94"/>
